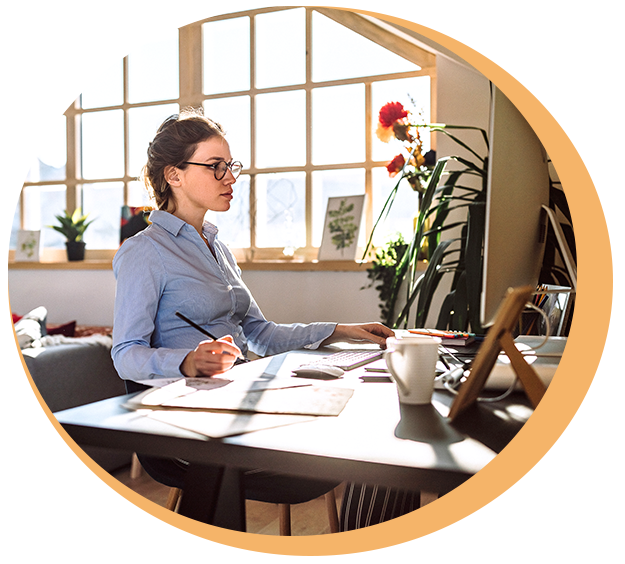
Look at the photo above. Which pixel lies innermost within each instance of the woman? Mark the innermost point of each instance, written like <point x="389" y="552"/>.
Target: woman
<point x="177" y="264"/>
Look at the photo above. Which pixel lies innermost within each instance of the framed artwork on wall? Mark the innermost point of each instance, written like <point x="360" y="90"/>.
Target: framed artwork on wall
<point x="342" y="228"/>
<point x="28" y="246"/>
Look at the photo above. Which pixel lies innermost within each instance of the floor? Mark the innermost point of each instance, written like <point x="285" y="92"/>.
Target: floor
<point x="309" y="518"/>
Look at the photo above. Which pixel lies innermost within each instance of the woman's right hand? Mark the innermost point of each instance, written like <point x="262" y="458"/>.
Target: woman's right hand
<point x="211" y="358"/>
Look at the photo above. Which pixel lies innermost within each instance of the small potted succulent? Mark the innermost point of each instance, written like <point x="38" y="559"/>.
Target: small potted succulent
<point x="72" y="227"/>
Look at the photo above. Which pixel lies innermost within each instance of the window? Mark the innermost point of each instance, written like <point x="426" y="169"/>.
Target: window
<point x="299" y="108"/>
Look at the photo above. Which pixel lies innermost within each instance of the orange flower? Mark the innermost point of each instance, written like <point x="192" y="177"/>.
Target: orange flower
<point x="396" y="165"/>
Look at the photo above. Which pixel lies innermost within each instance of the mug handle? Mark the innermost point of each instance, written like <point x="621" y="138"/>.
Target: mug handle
<point x="387" y="357"/>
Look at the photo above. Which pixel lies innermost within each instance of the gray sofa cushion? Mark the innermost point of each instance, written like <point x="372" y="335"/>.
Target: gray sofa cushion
<point x="76" y="372"/>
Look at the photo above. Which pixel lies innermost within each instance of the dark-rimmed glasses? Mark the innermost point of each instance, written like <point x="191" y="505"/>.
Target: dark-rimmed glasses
<point x="221" y="168"/>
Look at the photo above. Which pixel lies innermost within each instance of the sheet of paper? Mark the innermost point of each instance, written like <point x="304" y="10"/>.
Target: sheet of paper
<point x="297" y="399"/>
<point x="219" y="425"/>
<point x="301" y="400"/>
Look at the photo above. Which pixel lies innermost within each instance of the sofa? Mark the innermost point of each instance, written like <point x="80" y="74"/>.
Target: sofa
<point x="70" y="371"/>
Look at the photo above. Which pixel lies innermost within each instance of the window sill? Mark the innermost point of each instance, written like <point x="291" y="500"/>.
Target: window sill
<point x="266" y="265"/>
<point x="89" y="264"/>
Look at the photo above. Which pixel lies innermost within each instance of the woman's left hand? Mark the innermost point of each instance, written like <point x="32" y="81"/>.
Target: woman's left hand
<point x="358" y="332"/>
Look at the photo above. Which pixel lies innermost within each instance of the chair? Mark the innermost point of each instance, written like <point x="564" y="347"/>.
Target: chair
<point x="284" y="510"/>
<point x="267" y="488"/>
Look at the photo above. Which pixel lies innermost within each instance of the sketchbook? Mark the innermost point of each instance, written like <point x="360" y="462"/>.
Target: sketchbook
<point x="295" y="399"/>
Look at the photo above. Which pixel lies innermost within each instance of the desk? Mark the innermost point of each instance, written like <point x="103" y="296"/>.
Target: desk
<point x="373" y="440"/>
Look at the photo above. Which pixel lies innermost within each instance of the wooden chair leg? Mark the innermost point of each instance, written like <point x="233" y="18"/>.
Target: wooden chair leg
<point x="285" y="519"/>
<point x="173" y="498"/>
<point x="135" y="467"/>
<point x="333" y="515"/>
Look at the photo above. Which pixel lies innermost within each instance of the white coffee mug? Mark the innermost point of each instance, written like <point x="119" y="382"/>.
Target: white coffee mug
<point x="411" y="362"/>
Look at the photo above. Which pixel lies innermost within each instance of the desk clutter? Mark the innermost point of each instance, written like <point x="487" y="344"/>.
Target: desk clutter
<point x="257" y="395"/>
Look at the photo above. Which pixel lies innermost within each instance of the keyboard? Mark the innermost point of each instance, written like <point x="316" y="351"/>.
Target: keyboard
<point x="348" y="360"/>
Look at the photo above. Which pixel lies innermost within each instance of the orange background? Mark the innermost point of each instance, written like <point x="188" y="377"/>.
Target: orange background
<point x="555" y="494"/>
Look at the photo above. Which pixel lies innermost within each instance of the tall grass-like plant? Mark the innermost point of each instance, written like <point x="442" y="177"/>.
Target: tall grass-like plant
<point x="444" y="189"/>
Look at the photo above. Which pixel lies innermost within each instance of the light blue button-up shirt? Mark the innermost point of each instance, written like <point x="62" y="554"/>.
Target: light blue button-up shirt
<point x="166" y="268"/>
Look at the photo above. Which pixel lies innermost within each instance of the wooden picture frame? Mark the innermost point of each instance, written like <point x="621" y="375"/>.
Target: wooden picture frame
<point x="498" y="338"/>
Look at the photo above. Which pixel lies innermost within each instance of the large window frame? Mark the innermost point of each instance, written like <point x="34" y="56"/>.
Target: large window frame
<point x="191" y="94"/>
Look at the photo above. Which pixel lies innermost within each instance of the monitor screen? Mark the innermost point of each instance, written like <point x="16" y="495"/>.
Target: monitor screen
<point x="518" y="188"/>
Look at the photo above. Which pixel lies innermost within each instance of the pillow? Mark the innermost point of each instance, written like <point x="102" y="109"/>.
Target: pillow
<point x="65" y="329"/>
<point x="31" y="327"/>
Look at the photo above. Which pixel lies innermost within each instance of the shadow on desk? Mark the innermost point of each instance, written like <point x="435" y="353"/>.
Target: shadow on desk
<point x="425" y="424"/>
<point x="494" y="424"/>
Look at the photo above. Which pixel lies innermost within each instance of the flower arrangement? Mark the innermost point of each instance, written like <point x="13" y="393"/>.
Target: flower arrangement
<point x="441" y="192"/>
<point x="395" y="121"/>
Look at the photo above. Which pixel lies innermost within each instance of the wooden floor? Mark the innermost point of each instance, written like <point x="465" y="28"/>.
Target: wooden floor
<point x="309" y="518"/>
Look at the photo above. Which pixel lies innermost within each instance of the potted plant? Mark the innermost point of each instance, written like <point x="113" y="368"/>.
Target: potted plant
<point x="442" y="190"/>
<point x="72" y="227"/>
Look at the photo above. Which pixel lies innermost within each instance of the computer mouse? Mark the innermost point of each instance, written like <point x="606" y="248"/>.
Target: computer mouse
<point x="319" y="371"/>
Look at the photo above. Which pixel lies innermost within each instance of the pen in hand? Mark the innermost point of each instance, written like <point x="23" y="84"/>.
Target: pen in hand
<point x="240" y="358"/>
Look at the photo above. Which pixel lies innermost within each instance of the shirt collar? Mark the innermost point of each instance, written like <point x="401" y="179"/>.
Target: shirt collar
<point x="174" y="224"/>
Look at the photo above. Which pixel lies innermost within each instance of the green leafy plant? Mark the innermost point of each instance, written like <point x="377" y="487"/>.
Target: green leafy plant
<point x="445" y="190"/>
<point x="382" y="272"/>
<point x="72" y="226"/>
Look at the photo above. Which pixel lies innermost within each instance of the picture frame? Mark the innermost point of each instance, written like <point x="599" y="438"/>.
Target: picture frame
<point x="341" y="228"/>
<point x="28" y="246"/>
<point x="499" y="338"/>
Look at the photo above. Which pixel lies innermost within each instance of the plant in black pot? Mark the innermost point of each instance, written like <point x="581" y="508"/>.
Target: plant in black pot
<point x="72" y="227"/>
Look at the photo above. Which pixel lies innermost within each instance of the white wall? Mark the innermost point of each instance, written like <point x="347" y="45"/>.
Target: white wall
<point x="87" y="296"/>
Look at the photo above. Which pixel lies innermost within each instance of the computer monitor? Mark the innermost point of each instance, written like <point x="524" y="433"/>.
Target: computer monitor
<point x="517" y="193"/>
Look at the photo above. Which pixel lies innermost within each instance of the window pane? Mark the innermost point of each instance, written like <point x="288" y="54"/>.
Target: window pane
<point x="338" y="124"/>
<point x="226" y="55"/>
<point x="103" y="202"/>
<point x="281" y="57"/>
<point x="138" y="195"/>
<point x="16" y="226"/>
<point x="41" y="204"/>
<point x="339" y="52"/>
<point x="234" y="116"/>
<point x="50" y="152"/>
<point x="108" y="87"/>
<point x="103" y="144"/>
<point x="142" y="126"/>
<point x="329" y="184"/>
<point x="406" y="91"/>
<point x="403" y="211"/>
<point x="153" y="70"/>
<point x="280" y="210"/>
<point x="281" y="129"/>
<point x="234" y="225"/>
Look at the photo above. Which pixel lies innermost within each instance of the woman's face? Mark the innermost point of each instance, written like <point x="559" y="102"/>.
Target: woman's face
<point x="197" y="189"/>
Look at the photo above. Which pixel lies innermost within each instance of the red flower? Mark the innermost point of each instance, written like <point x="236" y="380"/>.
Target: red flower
<point x="396" y="165"/>
<point x="390" y="113"/>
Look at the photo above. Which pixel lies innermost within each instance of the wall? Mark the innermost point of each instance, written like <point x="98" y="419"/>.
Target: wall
<point x="463" y="98"/>
<point x="87" y="296"/>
